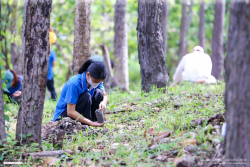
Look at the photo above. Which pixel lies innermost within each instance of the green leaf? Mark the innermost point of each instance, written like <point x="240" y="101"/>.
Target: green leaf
<point x="7" y="118"/>
<point x="8" y="135"/>
<point x="2" y="56"/>
<point x="6" y="107"/>
<point x="22" y="135"/>
<point x="4" y="88"/>
<point x="29" y="135"/>
<point x="2" y="32"/>
<point x="6" y="98"/>
<point x="2" y="68"/>
<point x="112" y="106"/>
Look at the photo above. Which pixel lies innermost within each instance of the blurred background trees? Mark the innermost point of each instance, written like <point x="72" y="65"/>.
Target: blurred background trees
<point x="102" y="31"/>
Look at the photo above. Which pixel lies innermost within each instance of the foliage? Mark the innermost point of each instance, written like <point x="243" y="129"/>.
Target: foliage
<point x="102" y="24"/>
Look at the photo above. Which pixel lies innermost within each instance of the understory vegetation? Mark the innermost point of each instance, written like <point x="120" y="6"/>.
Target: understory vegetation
<point x="142" y="129"/>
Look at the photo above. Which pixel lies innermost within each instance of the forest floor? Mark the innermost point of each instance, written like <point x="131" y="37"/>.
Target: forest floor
<point x="179" y="127"/>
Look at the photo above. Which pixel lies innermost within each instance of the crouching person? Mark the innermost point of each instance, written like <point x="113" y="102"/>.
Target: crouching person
<point x="83" y="94"/>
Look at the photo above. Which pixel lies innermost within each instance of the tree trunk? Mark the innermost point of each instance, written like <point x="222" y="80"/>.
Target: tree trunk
<point x="36" y="22"/>
<point x="201" y="25"/>
<point x="186" y="19"/>
<point x="109" y="82"/>
<point x="164" y="26"/>
<point x="121" y="45"/>
<point x="217" y="41"/>
<point x="150" y="45"/>
<point x="82" y="50"/>
<point x="238" y="83"/>
<point x="2" y="120"/>
<point x="15" y="59"/>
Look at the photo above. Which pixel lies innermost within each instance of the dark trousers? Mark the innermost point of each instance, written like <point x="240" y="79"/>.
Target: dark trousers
<point x="50" y="85"/>
<point x="86" y="105"/>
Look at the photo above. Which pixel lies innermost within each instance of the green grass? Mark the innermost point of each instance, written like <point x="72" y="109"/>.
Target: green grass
<point x="128" y="128"/>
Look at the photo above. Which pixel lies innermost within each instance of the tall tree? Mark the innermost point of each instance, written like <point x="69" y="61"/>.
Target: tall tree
<point x="121" y="45"/>
<point x="2" y="120"/>
<point x="201" y="24"/>
<point x="15" y="59"/>
<point x="217" y="41"/>
<point x="150" y="45"/>
<point x="3" y="38"/>
<point x="238" y="83"/>
<point x="36" y="22"/>
<point x="82" y="50"/>
<point x="164" y="26"/>
<point x="186" y="19"/>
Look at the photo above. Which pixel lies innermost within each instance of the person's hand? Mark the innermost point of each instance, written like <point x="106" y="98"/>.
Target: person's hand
<point x="17" y="94"/>
<point x="96" y="124"/>
<point x="102" y="106"/>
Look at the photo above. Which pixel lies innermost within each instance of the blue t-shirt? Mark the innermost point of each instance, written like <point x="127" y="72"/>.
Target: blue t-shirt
<point x="73" y="88"/>
<point x="12" y="90"/>
<point x="52" y="57"/>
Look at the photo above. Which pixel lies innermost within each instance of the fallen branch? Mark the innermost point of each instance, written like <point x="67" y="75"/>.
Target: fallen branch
<point x="48" y="153"/>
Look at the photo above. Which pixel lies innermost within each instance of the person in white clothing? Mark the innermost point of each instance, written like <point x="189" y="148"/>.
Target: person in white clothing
<point x="195" y="67"/>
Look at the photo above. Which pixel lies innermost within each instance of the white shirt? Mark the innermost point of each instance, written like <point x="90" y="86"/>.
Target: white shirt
<point x="194" y="66"/>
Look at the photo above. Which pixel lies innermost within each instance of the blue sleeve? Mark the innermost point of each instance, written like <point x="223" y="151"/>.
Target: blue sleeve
<point x="53" y="55"/>
<point x="72" y="94"/>
<point x="100" y="86"/>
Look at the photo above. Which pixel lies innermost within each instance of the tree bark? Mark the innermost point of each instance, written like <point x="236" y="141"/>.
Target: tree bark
<point x="2" y="120"/>
<point x="121" y="45"/>
<point x="201" y="24"/>
<point x="15" y="59"/>
<point x="150" y="45"/>
<point x="186" y="19"/>
<point x="82" y="50"/>
<point x="164" y="26"/>
<point x="217" y="41"/>
<point x="36" y="22"/>
<point x="238" y="83"/>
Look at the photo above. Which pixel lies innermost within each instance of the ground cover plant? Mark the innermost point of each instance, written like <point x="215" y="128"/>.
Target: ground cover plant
<point x="180" y="126"/>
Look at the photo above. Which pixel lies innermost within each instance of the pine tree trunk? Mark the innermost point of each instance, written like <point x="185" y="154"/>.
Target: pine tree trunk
<point x="186" y="19"/>
<point x="82" y="50"/>
<point x="150" y="45"/>
<point x="15" y="59"/>
<point x="36" y="22"/>
<point x="2" y="120"/>
<point x="238" y="83"/>
<point x="217" y="41"/>
<point x="164" y="26"/>
<point x="201" y="24"/>
<point x="121" y="45"/>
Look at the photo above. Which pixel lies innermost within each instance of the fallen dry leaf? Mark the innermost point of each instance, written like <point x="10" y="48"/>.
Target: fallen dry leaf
<point x="145" y="134"/>
<point x="50" y="161"/>
<point x="69" y="164"/>
<point x="96" y="150"/>
<point x="177" y="160"/>
<point x="99" y="135"/>
<point x="162" y="135"/>
<point x="181" y="133"/>
<point x="156" y="109"/>
<point x="132" y="104"/>
<point x="188" y="142"/>
<point x="151" y="131"/>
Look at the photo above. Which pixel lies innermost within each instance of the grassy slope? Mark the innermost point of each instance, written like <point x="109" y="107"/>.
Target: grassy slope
<point x="129" y="128"/>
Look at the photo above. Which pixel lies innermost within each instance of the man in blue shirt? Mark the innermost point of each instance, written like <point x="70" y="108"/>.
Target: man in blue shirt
<point x="50" y="80"/>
